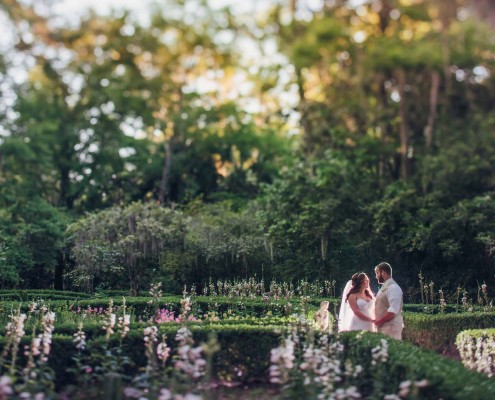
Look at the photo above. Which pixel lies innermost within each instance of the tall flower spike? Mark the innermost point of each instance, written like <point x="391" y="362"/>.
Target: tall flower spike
<point x="80" y="338"/>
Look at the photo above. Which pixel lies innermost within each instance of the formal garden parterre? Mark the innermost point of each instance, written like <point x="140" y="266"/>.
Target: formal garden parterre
<point x="160" y="347"/>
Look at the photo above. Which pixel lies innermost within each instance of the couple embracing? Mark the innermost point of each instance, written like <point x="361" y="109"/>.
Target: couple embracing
<point x="361" y="310"/>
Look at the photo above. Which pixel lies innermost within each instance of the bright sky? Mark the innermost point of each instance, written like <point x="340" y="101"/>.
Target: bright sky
<point x="69" y="11"/>
<point x="104" y="6"/>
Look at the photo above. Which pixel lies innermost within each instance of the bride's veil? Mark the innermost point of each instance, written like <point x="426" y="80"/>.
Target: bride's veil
<point x="345" y="314"/>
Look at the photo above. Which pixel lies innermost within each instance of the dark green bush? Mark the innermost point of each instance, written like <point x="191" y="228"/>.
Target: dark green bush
<point x="201" y="305"/>
<point x="244" y="353"/>
<point x="447" y="379"/>
<point x="438" y="332"/>
<point x="244" y="356"/>
<point x="45" y="294"/>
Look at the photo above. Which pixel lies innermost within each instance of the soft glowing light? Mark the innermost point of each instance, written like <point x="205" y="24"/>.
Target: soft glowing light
<point x="359" y="36"/>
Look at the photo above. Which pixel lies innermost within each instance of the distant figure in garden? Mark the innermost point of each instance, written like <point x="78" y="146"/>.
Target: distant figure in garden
<point x="357" y="310"/>
<point x="388" y="303"/>
<point x="322" y="317"/>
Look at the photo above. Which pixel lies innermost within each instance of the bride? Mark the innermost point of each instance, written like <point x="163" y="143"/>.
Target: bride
<point x="357" y="311"/>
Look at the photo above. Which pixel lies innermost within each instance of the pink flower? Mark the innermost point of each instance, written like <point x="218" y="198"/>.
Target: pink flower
<point x="165" y="315"/>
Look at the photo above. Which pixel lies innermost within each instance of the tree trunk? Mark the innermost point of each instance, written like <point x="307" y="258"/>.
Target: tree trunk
<point x="163" y="195"/>
<point x="448" y="13"/>
<point x="59" y="272"/>
<point x="306" y="126"/>
<point x="324" y="246"/>
<point x="428" y="131"/>
<point x="485" y="10"/>
<point x="64" y="170"/>
<point x="384" y="14"/>
<point x="382" y="122"/>
<point x="305" y="123"/>
<point x="403" y="130"/>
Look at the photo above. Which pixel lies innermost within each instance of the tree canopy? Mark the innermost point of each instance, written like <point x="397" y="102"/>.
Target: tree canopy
<point x="296" y="140"/>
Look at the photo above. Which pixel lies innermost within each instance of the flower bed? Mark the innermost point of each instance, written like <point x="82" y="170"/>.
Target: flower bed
<point x="244" y="356"/>
<point x="364" y="365"/>
<point x="110" y="355"/>
<point x="477" y="350"/>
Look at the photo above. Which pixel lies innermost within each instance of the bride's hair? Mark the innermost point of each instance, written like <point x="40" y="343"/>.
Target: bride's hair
<point x="357" y="280"/>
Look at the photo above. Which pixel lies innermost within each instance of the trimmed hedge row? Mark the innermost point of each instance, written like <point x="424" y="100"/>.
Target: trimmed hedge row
<point x="244" y="353"/>
<point x="434" y="332"/>
<point x="46" y="294"/>
<point x="244" y="356"/>
<point x="256" y="305"/>
<point x="447" y="379"/>
<point x="101" y="299"/>
<point x="438" y="332"/>
<point x="140" y="306"/>
<point x="477" y="350"/>
<point x="94" y="329"/>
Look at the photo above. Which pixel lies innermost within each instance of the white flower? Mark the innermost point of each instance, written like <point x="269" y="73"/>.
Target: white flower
<point x="282" y="361"/>
<point x="163" y="351"/>
<point x="358" y="370"/>
<point x="132" y="393"/>
<point x="380" y="353"/>
<point x="404" y="388"/>
<point x="35" y="346"/>
<point x="422" y="383"/>
<point x="124" y="323"/>
<point x="150" y="334"/>
<point x="5" y="387"/>
<point x="47" y="323"/>
<point x="347" y="394"/>
<point x="188" y="396"/>
<point x="80" y="338"/>
<point x="16" y="327"/>
<point x="183" y="336"/>
<point x="165" y="394"/>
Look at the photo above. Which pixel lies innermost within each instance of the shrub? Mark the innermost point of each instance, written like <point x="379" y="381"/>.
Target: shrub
<point x="45" y="294"/>
<point x="244" y="356"/>
<point x="477" y="350"/>
<point x="446" y="378"/>
<point x="438" y="332"/>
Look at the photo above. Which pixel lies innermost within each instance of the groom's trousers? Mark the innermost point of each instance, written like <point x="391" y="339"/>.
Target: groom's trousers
<point x="393" y="330"/>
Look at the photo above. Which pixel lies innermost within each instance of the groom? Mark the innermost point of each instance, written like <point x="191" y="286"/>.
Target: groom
<point x="388" y="304"/>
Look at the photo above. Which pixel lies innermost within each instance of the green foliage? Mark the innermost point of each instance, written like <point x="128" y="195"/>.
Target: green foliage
<point x="233" y="361"/>
<point x="245" y="349"/>
<point x="31" y="243"/>
<point x="387" y="155"/>
<point x="445" y="378"/>
<point x="438" y="332"/>
<point x="476" y="350"/>
<point x="123" y="245"/>
<point x="73" y="310"/>
<point x="147" y="240"/>
<point x="33" y="294"/>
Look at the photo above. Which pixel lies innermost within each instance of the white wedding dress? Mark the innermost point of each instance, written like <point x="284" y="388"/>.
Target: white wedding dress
<point x="368" y="309"/>
<point x="348" y="321"/>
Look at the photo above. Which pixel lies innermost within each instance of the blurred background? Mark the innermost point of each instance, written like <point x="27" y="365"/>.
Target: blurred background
<point x="188" y="140"/>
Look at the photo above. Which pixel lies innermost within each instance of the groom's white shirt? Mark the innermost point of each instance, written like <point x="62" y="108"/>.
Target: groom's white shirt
<point x="394" y="295"/>
<point x="389" y="298"/>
